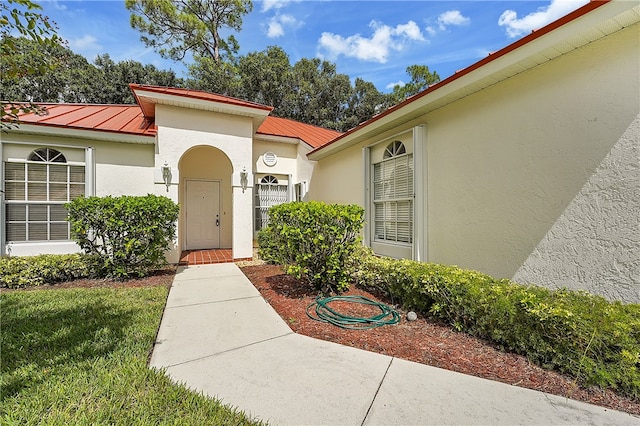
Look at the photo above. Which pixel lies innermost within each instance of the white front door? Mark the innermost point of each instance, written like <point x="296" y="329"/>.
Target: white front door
<point x="202" y="214"/>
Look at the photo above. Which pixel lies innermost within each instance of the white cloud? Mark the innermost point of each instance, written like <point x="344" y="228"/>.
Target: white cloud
<point x="516" y="27"/>
<point x="275" y="4"/>
<point x="274" y="29"/>
<point x="446" y="19"/>
<point x="276" y="25"/>
<point x="84" y="43"/>
<point x="397" y="83"/>
<point x="373" y="49"/>
<point x="453" y="17"/>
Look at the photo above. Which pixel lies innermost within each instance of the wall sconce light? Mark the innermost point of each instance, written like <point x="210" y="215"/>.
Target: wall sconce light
<point x="166" y="175"/>
<point x="243" y="178"/>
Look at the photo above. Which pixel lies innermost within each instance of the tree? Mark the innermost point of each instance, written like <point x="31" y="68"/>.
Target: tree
<point x="421" y="79"/>
<point x="265" y="77"/>
<point x="114" y="79"/>
<point x="77" y="80"/>
<point x="175" y="27"/>
<point x="365" y="102"/>
<point x="22" y="17"/>
<point x="214" y="76"/>
<point x="318" y="94"/>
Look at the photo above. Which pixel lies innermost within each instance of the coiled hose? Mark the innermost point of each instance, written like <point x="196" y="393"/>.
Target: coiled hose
<point x="324" y="313"/>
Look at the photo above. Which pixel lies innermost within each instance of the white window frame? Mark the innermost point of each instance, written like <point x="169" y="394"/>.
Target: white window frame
<point x="276" y="193"/>
<point x="29" y="248"/>
<point x="417" y="250"/>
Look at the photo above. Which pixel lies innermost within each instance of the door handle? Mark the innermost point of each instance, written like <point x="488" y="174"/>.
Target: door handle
<point x="217" y="220"/>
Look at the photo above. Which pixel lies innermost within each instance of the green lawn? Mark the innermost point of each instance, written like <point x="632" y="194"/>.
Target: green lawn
<point x="79" y="356"/>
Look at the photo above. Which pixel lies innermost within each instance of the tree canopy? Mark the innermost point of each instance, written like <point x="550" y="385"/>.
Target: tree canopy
<point x="23" y="17"/>
<point x="75" y="79"/>
<point x="311" y="90"/>
<point x="174" y="28"/>
<point x="421" y="79"/>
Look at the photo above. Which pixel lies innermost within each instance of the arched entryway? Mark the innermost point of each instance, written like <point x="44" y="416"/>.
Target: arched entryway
<point x="206" y="199"/>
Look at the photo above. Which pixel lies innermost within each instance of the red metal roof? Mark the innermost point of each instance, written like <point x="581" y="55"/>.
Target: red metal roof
<point x="129" y="119"/>
<point x="313" y="135"/>
<point x="126" y="119"/>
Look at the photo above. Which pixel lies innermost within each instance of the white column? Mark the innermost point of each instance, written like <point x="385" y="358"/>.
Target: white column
<point x="366" y="167"/>
<point x="420" y="237"/>
<point x="89" y="172"/>
<point x="3" y="231"/>
<point x="242" y="216"/>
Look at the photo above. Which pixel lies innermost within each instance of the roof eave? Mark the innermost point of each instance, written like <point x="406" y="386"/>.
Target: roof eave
<point x="77" y="133"/>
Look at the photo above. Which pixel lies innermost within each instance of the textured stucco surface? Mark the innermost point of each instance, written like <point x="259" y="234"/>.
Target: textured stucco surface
<point x="595" y="244"/>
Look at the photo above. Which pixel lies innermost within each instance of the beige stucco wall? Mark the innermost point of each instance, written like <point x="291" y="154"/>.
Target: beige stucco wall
<point x="292" y="161"/>
<point x="286" y="158"/>
<point x="179" y="130"/>
<point x="505" y="163"/>
<point x="339" y="178"/>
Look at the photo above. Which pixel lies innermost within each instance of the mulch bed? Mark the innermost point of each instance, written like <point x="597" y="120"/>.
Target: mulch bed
<point x="422" y="341"/>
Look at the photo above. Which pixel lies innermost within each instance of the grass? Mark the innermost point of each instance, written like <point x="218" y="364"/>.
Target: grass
<point x="79" y="356"/>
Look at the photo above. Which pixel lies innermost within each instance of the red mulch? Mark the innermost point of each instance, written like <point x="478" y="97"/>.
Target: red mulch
<point x="422" y="341"/>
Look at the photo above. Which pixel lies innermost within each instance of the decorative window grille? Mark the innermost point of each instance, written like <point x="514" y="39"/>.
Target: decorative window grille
<point x="393" y="195"/>
<point x="35" y="193"/>
<point x="268" y="193"/>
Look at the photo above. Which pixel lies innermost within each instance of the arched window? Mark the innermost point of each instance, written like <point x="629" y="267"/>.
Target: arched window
<point x="48" y="155"/>
<point x="36" y="190"/>
<point x="268" y="193"/>
<point x="269" y="180"/>
<point x="393" y="195"/>
<point x="394" y="149"/>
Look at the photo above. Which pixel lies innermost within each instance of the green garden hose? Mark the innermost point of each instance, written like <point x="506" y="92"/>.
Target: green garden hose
<point x="324" y="313"/>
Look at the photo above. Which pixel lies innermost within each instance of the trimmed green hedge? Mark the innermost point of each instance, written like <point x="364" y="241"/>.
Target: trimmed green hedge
<point x="129" y="234"/>
<point x="313" y="241"/>
<point x="27" y="271"/>
<point x="577" y="333"/>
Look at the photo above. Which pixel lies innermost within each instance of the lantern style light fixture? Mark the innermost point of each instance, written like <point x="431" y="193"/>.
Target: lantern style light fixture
<point x="243" y="179"/>
<point x="166" y="175"/>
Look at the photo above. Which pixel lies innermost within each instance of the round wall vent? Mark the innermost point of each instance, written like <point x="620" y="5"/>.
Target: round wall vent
<point x="269" y="158"/>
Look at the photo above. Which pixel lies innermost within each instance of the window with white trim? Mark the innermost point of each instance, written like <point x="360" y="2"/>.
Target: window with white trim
<point x="35" y="192"/>
<point x="393" y="196"/>
<point x="268" y="193"/>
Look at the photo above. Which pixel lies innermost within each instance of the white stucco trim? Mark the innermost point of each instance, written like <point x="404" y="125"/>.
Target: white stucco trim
<point x="366" y="167"/>
<point x="420" y="201"/>
<point x="2" y="221"/>
<point x="66" y="132"/>
<point x="44" y="247"/>
<point x="89" y="172"/>
<point x="280" y="139"/>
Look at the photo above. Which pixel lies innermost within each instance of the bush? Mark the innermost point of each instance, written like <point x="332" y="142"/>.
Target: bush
<point x="129" y="235"/>
<point x="577" y="333"/>
<point x="27" y="271"/>
<point x="313" y="241"/>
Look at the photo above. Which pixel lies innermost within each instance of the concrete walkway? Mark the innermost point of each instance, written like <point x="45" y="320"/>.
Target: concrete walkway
<point x="219" y="336"/>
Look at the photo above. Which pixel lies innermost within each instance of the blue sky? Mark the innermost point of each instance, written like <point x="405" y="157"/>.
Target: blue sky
<point x="374" y="40"/>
